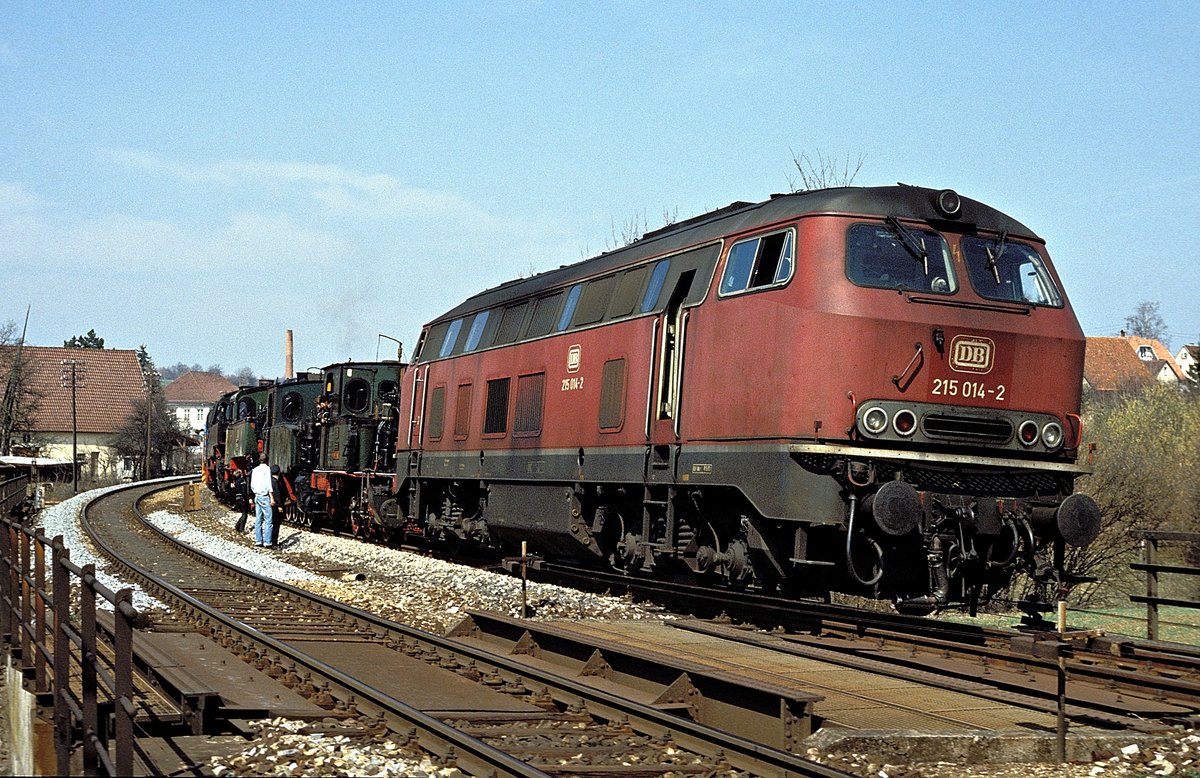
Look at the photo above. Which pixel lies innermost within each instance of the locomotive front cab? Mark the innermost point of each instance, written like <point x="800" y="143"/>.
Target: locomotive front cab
<point x="961" y="461"/>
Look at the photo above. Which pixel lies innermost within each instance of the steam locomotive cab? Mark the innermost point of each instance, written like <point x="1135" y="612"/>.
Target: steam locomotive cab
<point x="354" y="421"/>
<point x="290" y="435"/>
<point x="219" y="416"/>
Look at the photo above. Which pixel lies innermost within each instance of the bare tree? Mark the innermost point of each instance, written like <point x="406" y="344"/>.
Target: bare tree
<point x="18" y="403"/>
<point x="822" y="174"/>
<point x="636" y="226"/>
<point x="165" y="436"/>
<point x="1146" y="322"/>
<point x="243" y="376"/>
<point x="630" y="230"/>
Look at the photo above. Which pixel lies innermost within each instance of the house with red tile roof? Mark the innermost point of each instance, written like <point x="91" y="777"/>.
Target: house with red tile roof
<point x="1110" y="365"/>
<point x="1128" y="362"/>
<point x="191" y="395"/>
<point x="108" y="385"/>
<point x="1157" y="358"/>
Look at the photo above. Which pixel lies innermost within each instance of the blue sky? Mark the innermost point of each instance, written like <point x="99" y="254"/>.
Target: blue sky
<point x="200" y="177"/>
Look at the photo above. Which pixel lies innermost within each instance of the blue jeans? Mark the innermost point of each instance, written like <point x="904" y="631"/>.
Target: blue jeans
<point x="262" y="519"/>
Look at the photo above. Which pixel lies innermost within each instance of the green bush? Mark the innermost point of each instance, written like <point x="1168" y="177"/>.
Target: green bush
<point x="1144" y="451"/>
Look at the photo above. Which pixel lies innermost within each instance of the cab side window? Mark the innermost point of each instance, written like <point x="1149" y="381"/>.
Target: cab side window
<point x="765" y="260"/>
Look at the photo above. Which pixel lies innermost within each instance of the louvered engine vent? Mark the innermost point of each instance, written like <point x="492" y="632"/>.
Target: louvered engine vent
<point x="967" y="429"/>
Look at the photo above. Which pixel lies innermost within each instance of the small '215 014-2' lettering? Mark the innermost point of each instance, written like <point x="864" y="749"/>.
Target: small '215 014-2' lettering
<point x="954" y="387"/>
<point x="571" y="384"/>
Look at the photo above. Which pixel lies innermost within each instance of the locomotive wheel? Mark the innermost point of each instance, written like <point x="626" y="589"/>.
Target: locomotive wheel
<point x="629" y="552"/>
<point x="704" y="559"/>
<point x="389" y="512"/>
<point x="452" y="542"/>
<point x="612" y="533"/>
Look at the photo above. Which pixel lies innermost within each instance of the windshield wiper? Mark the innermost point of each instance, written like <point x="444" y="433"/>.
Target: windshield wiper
<point x="915" y="246"/>
<point x="994" y="256"/>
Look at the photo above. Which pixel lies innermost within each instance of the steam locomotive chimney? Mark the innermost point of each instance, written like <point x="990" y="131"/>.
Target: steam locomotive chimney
<point x="288" y="372"/>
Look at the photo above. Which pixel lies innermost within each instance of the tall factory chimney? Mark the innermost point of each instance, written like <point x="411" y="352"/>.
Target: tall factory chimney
<point x="288" y="372"/>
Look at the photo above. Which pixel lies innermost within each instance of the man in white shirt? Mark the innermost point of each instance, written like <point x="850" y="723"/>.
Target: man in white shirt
<point x="264" y="499"/>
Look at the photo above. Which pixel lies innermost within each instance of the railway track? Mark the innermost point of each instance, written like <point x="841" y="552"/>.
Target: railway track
<point x="1112" y="681"/>
<point x="469" y="707"/>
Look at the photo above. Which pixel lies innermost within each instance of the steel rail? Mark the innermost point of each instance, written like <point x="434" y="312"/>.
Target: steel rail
<point x="742" y="752"/>
<point x="472" y="754"/>
<point x="1102" y="659"/>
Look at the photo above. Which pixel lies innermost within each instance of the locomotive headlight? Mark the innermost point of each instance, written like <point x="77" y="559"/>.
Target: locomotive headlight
<point x="1052" y="435"/>
<point x="948" y="203"/>
<point x="904" y="422"/>
<point x="875" y="420"/>
<point x="1028" y="432"/>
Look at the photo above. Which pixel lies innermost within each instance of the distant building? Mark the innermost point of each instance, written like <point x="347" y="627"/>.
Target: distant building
<point x="1157" y="358"/>
<point x="108" y="385"/>
<point x="1128" y="363"/>
<point x="192" y="394"/>
<point x="1110" y="365"/>
<point x="1187" y="358"/>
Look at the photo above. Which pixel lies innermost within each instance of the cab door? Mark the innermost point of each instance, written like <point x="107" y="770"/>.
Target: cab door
<point x="665" y="409"/>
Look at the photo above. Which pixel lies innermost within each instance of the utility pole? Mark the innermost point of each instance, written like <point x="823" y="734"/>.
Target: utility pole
<point x="73" y="372"/>
<point x="147" y="378"/>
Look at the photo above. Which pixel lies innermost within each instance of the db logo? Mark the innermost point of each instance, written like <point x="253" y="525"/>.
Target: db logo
<point x="971" y="354"/>
<point x="574" y="354"/>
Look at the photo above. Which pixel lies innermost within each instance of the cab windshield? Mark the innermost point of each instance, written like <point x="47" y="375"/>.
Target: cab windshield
<point x="1010" y="272"/>
<point x="897" y="257"/>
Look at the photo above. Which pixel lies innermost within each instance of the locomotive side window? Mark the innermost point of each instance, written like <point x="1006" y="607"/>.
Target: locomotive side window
<point x="245" y="408"/>
<point x="292" y="406"/>
<point x="387" y="391"/>
<point x="495" y="417"/>
<point x="654" y="290"/>
<point x="762" y="261"/>
<point x="544" y="312"/>
<point x="612" y="395"/>
<point x="912" y="260"/>
<point x="451" y="337"/>
<point x="626" y="297"/>
<point x="1009" y="271"/>
<point x="569" y="309"/>
<point x="462" y="412"/>
<point x="531" y="389"/>
<point x="594" y="301"/>
<point x="437" y="412"/>
<point x="357" y="395"/>
<point x="476" y="330"/>
<point x="510" y="324"/>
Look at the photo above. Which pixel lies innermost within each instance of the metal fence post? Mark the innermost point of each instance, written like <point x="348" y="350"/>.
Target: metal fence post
<point x="62" y="657"/>
<point x="41" y="682"/>
<point x="1150" y="551"/>
<point x="87" y="616"/>
<point x="26" y="604"/>
<point x="6" y="593"/>
<point x="123" y="672"/>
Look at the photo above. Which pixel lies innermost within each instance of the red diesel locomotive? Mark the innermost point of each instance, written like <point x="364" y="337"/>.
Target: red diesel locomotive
<point x="871" y="390"/>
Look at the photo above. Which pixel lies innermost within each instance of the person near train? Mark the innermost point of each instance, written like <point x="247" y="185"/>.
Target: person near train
<point x="241" y="490"/>
<point x="281" y="491"/>
<point x="264" y="500"/>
